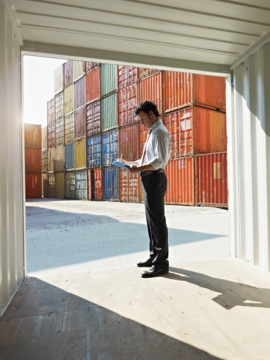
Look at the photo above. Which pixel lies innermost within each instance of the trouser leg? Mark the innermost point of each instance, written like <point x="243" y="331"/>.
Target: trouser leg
<point x="154" y="189"/>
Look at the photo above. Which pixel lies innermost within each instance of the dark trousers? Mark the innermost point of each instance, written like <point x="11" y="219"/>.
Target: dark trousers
<point x="154" y="187"/>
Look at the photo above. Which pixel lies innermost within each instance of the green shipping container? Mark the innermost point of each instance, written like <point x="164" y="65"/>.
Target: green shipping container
<point x="109" y="78"/>
<point x="60" y="185"/>
<point x="109" y="112"/>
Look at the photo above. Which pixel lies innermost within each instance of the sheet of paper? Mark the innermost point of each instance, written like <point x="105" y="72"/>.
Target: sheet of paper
<point x="121" y="165"/>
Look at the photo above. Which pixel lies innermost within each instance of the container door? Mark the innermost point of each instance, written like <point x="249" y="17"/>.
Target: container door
<point x="93" y="185"/>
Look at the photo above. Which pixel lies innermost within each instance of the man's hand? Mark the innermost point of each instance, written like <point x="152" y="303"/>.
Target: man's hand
<point x="135" y="169"/>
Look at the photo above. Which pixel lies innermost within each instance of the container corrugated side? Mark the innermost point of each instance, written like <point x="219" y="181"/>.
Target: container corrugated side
<point x="69" y="128"/>
<point x="60" y="185"/>
<point x="180" y="178"/>
<point x="150" y="88"/>
<point x="126" y="75"/>
<point x="127" y="102"/>
<point x="51" y="189"/>
<point x="59" y="105"/>
<point x="211" y="180"/>
<point x="78" y="69"/>
<point x="68" y="100"/>
<point x="80" y="124"/>
<point x="59" y="131"/>
<point x="79" y="93"/>
<point x="51" y="123"/>
<point x="69" y="157"/>
<point x="44" y="161"/>
<point x="44" y="185"/>
<point x="92" y="85"/>
<point x="142" y="138"/>
<point x="109" y="78"/>
<point x="32" y="136"/>
<point x="70" y="185"/>
<point x="110" y="183"/>
<point x="80" y="154"/>
<point x="129" y="142"/>
<point x="51" y="159"/>
<point x="171" y="122"/>
<point x="109" y="112"/>
<point x="59" y="79"/>
<point x="90" y="65"/>
<point x="44" y="142"/>
<point x="94" y="184"/>
<point x="109" y="147"/>
<point x="93" y="151"/>
<point x="59" y="164"/>
<point x="144" y="72"/>
<point x="33" y="186"/>
<point x="93" y="125"/>
<point x="68" y="73"/>
<point x="81" y="185"/>
<point x="128" y="186"/>
<point x="32" y="161"/>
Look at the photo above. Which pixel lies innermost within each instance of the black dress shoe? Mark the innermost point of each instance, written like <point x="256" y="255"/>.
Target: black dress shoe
<point x="147" y="263"/>
<point x="155" y="270"/>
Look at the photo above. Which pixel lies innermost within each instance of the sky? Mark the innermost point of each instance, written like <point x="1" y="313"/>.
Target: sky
<point x="38" y="87"/>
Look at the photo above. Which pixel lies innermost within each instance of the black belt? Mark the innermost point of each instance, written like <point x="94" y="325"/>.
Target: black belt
<point x="151" y="172"/>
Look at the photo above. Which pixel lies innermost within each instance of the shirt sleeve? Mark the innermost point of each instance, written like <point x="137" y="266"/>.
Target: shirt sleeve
<point x="162" y="148"/>
<point x="139" y="162"/>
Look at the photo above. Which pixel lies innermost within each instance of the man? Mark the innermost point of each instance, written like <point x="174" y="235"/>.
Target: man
<point x="151" y="166"/>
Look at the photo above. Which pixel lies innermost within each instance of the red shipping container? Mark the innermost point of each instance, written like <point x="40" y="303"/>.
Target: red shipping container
<point x="79" y="93"/>
<point x="33" y="186"/>
<point x="93" y="118"/>
<point x="172" y="124"/>
<point x="150" y="89"/>
<point x="128" y="139"/>
<point x="32" y="136"/>
<point x="180" y="177"/>
<point x="92" y="80"/>
<point x="33" y="161"/>
<point x="127" y="102"/>
<point x="211" y="180"/>
<point x="127" y="75"/>
<point x="51" y="123"/>
<point x="80" y="124"/>
<point x="68" y="73"/>
<point x="94" y="177"/>
<point x="128" y="186"/>
<point x="142" y="137"/>
<point x="184" y="89"/>
<point x="90" y="65"/>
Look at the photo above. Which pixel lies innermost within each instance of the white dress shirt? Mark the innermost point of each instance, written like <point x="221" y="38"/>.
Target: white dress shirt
<point x="158" y="147"/>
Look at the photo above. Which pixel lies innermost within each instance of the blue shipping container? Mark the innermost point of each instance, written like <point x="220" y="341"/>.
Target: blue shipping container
<point x="109" y="78"/>
<point x="69" y="157"/>
<point x="93" y="151"/>
<point x="110" y="183"/>
<point x="81" y="185"/>
<point x="109" y="147"/>
<point x="109" y="112"/>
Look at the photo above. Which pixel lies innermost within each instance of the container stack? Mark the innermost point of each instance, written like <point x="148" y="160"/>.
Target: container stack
<point x="44" y="163"/>
<point x="32" y="137"/>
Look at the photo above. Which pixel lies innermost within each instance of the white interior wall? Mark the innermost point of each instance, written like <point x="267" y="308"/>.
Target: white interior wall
<point x="11" y="162"/>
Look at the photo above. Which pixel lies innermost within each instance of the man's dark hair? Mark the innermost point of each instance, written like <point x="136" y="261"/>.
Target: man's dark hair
<point x="146" y="106"/>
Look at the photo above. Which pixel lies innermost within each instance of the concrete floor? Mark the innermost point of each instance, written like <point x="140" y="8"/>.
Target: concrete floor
<point x="205" y="308"/>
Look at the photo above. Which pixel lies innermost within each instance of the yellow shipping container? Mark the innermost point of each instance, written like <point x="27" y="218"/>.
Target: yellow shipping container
<point x="60" y="159"/>
<point x="68" y="99"/>
<point x="78" y="69"/>
<point x="80" y="154"/>
<point x="60" y="185"/>
<point x="51" y="159"/>
<point x="44" y="143"/>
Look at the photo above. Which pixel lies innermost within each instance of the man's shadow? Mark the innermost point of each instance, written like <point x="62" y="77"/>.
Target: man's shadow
<point x="231" y="293"/>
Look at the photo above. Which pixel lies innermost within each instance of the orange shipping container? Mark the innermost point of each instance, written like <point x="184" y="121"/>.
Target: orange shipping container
<point x="128" y="139"/>
<point x="128" y="186"/>
<point x="32" y="136"/>
<point x="33" y="186"/>
<point x="33" y="161"/>
<point x="184" y="89"/>
<point x="92" y="84"/>
<point x="180" y="177"/>
<point x="127" y="75"/>
<point x="211" y="180"/>
<point x="94" y="184"/>
<point x="127" y="102"/>
<point x="150" y="89"/>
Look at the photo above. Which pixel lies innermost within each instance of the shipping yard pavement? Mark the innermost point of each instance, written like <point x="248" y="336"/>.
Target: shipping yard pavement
<point x="84" y="298"/>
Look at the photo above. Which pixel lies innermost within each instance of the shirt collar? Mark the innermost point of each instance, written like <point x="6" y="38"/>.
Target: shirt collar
<point x="156" y="124"/>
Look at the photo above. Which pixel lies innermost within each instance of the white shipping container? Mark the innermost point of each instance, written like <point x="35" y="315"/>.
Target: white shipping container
<point x="59" y="79"/>
<point x="78" y="69"/>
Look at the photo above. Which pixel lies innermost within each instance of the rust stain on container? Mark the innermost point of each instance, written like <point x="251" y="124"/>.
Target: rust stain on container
<point x="184" y="89"/>
<point x="32" y="136"/>
<point x="128" y="186"/>
<point x="92" y="86"/>
<point x="150" y="89"/>
<point x="68" y="73"/>
<point x="59" y="164"/>
<point x="93" y="118"/>
<point x="68" y="99"/>
<point x="80" y="154"/>
<point x="79" y="93"/>
<point x="51" y="123"/>
<point x="90" y="65"/>
<point x="211" y="179"/>
<point x="127" y="75"/>
<point x="44" y="185"/>
<point x="69" y="128"/>
<point x="32" y="161"/>
<point x="180" y="176"/>
<point x="60" y="185"/>
<point x="79" y="124"/>
<point x="128" y="139"/>
<point x="127" y="102"/>
<point x="33" y="186"/>
<point x="94" y="177"/>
